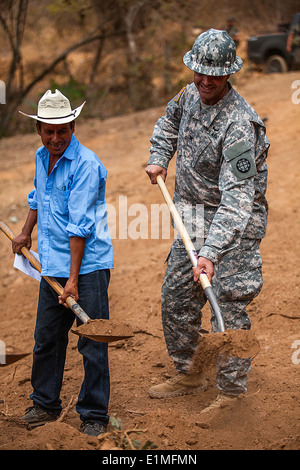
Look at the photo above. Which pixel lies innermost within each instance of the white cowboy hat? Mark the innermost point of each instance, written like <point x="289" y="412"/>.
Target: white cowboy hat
<point x="55" y="108"/>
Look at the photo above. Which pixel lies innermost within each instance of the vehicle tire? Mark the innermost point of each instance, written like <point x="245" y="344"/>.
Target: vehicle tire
<point x="276" y="64"/>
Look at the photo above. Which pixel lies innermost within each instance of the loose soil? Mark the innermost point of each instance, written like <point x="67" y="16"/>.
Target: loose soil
<point x="105" y="331"/>
<point x="267" y="417"/>
<point x="238" y="343"/>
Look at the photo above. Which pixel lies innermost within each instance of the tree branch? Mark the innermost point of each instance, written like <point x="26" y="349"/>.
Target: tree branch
<point x="21" y="95"/>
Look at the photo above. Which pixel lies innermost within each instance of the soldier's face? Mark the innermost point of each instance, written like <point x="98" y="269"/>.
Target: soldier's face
<point x="211" y="89"/>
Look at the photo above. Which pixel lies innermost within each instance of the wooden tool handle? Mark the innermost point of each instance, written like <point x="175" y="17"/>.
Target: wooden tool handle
<point x="51" y="280"/>
<point x="175" y="215"/>
<point x="203" y="279"/>
<point x="182" y="230"/>
<point x="32" y="259"/>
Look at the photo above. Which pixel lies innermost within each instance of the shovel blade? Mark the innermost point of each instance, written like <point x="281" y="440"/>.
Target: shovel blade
<point x="101" y="338"/>
<point x="103" y="331"/>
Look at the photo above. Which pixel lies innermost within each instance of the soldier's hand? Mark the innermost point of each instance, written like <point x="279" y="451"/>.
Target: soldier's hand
<point x="154" y="170"/>
<point x="204" y="265"/>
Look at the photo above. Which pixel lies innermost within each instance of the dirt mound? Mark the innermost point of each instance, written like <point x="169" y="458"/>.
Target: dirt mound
<point x="52" y="436"/>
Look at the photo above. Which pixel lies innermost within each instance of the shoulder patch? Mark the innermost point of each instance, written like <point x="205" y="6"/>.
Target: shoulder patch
<point x="236" y="149"/>
<point x="177" y="97"/>
<point x="241" y="160"/>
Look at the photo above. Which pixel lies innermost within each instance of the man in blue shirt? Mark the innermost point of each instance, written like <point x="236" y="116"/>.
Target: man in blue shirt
<point x="68" y="206"/>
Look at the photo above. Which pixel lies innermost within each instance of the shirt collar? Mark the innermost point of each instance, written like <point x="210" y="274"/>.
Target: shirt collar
<point x="207" y="116"/>
<point x="69" y="153"/>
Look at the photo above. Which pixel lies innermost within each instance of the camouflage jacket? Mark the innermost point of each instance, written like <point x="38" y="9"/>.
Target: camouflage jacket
<point x="296" y="35"/>
<point x="220" y="164"/>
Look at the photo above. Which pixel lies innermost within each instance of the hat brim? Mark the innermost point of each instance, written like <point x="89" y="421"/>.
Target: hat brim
<point x="60" y="120"/>
<point x="213" y="71"/>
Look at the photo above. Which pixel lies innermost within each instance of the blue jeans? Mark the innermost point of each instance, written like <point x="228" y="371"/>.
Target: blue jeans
<point x="51" y="338"/>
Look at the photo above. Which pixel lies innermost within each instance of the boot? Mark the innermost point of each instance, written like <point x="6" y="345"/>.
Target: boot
<point x="180" y="384"/>
<point x="221" y="401"/>
<point x="37" y="416"/>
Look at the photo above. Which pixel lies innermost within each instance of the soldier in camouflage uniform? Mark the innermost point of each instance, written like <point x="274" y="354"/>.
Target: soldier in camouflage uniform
<point x="221" y="149"/>
<point x="293" y="45"/>
<point x="233" y="31"/>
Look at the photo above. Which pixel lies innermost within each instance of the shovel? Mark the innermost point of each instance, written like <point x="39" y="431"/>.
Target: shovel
<point x="204" y="281"/>
<point x="238" y="343"/>
<point x="102" y="330"/>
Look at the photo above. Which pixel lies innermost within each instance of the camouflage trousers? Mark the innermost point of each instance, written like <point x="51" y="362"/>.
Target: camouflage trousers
<point x="237" y="281"/>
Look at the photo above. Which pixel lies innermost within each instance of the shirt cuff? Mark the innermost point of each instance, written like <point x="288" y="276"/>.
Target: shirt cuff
<point x="159" y="160"/>
<point x="77" y="231"/>
<point x="208" y="253"/>
<point x="32" y="203"/>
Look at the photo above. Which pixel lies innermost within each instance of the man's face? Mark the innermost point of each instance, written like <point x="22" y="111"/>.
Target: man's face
<point x="211" y="89"/>
<point x="56" y="137"/>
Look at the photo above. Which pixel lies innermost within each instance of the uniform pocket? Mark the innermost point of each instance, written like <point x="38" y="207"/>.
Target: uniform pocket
<point x="198" y="149"/>
<point x="238" y="276"/>
<point x="242" y="286"/>
<point x="241" y="259"/>
<point x="206" y="160"/>
<point x="61" y="198"/>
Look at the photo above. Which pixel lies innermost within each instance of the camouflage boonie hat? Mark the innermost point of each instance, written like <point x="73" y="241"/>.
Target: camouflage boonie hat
<point x="213" y="53"/>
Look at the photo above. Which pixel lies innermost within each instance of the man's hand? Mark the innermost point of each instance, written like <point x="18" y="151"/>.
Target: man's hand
<point x="20" y="241"/>
<point x="70" y="290"/>
<point x="24" y="239"/>
<point x="154" y="170"/>
<point x="77" y="245"/>
<point x="204" y="265"/>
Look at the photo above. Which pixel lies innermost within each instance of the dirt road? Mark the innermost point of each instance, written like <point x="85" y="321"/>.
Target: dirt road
<point x="267" y="417"/>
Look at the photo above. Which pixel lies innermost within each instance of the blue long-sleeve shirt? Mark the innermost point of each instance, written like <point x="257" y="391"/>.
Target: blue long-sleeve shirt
<point x="71" y="202"/>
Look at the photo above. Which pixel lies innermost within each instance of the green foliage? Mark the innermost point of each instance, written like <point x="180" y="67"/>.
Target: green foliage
<point x="68" y="6"/>
<point x="122" y="439"/>
<point x="116" y="423"/>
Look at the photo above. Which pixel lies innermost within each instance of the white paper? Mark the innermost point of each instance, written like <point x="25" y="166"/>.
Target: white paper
<point x="24" y="265"/>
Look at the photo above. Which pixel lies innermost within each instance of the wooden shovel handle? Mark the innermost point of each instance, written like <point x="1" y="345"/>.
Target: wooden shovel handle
<point x="204" y="281"/>
<point x="51" y="280"/>
<point x="176" y="217"/>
